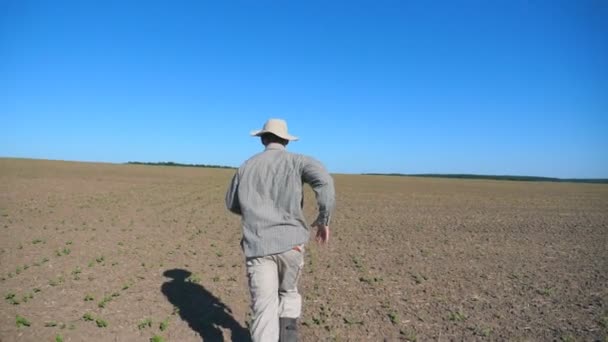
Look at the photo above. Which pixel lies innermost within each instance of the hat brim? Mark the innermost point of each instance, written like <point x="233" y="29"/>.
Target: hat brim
<point x="260" y="132"/>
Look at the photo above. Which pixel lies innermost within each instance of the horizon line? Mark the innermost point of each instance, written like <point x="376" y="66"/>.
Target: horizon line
<point x="595" y="180"/>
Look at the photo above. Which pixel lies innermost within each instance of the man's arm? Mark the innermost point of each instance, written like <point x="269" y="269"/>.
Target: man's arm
<point x="232" y="196"/>
<point x="314" y="174"/>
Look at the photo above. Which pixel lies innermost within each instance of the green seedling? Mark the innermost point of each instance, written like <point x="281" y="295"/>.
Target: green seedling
<point x="104" y="301"/>
<point x="418" y="279"/>
<point x="457" y="316"/>
<point x="352" y="321"/>
<point x="27" y="297"/>
<point x="58" y="338"/>
<point x="164" y="324"/>
<point x="11" y="299"/>
<point x="393" y="317"/>
<point x="88" y="317"/>
<point x="357" y="262"/>
<point x="485" y="332"/>
<point x="22" y="321"/>
<point x="88" y="298"/>
<point x="146" y="323"/>
<point x="567" y="338"/>
<point x="50" y="324"/>
<point x="370" y="281"/>
<point x="157" y="338"/>
<point x="409" y="335"/>
<point x="76" y="273"/>
<point x="603" y="321"/>
<point x="55" y="282"/>
<point x="101" y="323"/>
<point x="194" y="278"/>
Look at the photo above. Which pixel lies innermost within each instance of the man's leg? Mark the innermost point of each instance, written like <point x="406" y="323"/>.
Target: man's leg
<point x="290" y="301"/>
<point x="264" y="286"/>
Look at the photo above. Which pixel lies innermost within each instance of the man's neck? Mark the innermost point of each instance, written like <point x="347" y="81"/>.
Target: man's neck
<point x="275" y="146"/>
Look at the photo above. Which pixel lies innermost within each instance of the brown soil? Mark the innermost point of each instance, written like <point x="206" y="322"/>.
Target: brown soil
<point x="425" y="259"/>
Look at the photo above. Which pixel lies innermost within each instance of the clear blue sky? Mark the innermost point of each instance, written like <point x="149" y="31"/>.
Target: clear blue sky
<point x="487" y="87"/>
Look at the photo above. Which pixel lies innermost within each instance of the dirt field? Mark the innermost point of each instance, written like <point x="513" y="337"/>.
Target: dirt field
<point x="101" y="252"/>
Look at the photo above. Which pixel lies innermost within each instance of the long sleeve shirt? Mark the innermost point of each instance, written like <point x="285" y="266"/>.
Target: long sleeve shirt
<point x="267" y="192"/>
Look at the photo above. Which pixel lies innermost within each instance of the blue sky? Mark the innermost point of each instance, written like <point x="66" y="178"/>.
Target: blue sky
<point x="486" y="87"/>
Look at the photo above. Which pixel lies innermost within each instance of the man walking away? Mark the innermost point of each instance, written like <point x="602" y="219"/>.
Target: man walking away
<point x="267" y="192"/>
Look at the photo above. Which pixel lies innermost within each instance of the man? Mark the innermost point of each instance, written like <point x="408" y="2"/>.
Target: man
<point x="267" y="192"/>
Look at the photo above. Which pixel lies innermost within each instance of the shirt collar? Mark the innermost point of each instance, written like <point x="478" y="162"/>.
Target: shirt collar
<point x="275" y="146"/>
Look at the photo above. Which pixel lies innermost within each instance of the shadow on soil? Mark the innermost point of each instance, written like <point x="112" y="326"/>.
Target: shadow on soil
<point x="204" y="312"/>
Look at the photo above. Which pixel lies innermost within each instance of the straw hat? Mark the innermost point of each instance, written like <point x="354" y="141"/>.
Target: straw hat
<point x="277" y="127"/>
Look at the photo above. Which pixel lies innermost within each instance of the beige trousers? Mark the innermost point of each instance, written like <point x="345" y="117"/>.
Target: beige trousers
<point x="273" y="282"/>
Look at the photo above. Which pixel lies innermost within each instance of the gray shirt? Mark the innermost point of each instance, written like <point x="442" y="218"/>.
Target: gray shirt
<point x="267" y="192"/>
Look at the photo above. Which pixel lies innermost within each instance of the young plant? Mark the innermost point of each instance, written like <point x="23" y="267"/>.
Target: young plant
<point x="194" y="278"/>
<point x="101" y="323"/>
<point x="393" y="317"/>
<point x="457" y="316"/>
<point x="10" y="298"/>
<point x="27" y="297"/>
<point x="164" y="324"/>
<point x="157" y="338"/>
<point x="55" y="282"/>
<point x="146" y="323"/>
<point x="22" y="321"/>
<point x="104" y="301"/>
<point x="76" y="273"/>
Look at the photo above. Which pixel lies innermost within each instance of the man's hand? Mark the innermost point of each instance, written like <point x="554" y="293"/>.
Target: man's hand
<point x="322" y="234"/>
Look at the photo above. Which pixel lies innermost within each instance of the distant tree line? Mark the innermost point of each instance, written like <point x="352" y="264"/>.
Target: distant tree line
<point x="181" y="165"/>
<point x="495" y="177"/>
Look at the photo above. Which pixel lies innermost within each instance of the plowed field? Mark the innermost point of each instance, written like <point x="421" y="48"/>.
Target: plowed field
<point x="103" y="252"/>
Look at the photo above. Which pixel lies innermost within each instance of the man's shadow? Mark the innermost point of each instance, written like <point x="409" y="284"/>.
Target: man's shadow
<point x="204" y="312"/>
